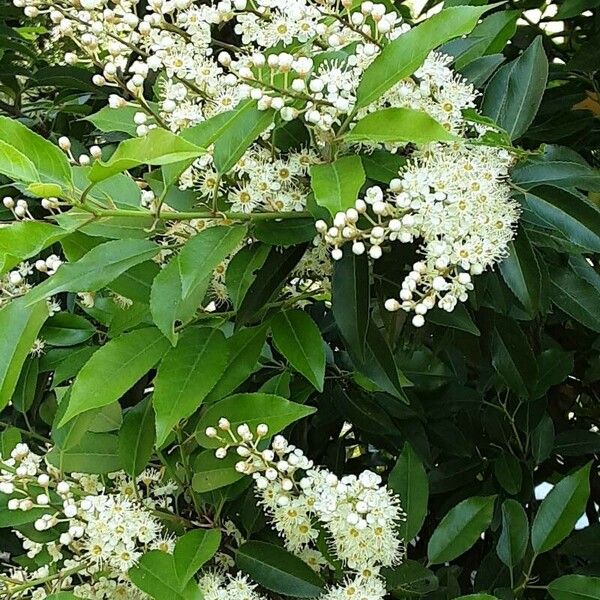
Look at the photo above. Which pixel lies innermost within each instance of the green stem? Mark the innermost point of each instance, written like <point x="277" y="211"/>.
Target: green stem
<point x="42" y="580"/>
<point x="189" y="215"/>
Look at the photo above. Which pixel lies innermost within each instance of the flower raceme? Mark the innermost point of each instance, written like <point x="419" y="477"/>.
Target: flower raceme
<point x="303" y="60"/>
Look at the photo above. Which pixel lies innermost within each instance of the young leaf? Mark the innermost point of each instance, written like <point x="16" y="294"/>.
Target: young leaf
<point x="136" y="437"/>
<point x="336" y="185"/>
<point x="512" y="543"/>
<point x="404" y="55"/>
<point x="28" y="157"/>
<point x="20" y="325"/>
<point x="157" y="147"/>
<point x="409" y="480"/>
<point x="96" y="269"/>
<point x="560" y="510"/>
<point x="252" y="409"/>
<point x="114" y="369"/>
<point x="185" y="376"/>
<point x="399" y="125"/>
<point x="298" y="338"/>
<point x="278" y="570"/>
<point x="513" y="95"/>
<point x="460" y="528"/>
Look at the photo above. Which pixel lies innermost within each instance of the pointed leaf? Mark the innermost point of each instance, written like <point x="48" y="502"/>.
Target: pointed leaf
<point x="513" y="540"/>
<point x="136" y="437"/>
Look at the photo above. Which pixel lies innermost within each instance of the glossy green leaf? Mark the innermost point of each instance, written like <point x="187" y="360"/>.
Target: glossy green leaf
<point x="460" y="528"/>
<point x="28" y="157"/>
<point x="576" y="297"/>
<point x="114" y="369"/>
<point x="20" y="324"/>
<point x="212" y="473"/>
<point x="336" y="185"/>
<point x="507" y="470"/>
<point x="542" y="439"/>
<point x="157" y="147"/>
<point x="204" y="251"/>
<point x="243" y="351"/>
<point x="194" y="549"/>
<point x="67" y="329"/>
<point x="521" y="272"/>
<point x="278" y="570"/>
<point x="24" y="393"/>
<point x="575" y="587"/>
<point x="410" y="578"/>
<point x="246" y="125"/>
<point x="109" y="119"/>
<point x="351" y="300"/>
<point x="404" y="55"/>
<point x="94" y="453"/>
<point x="252" y="409"/>
<point x="560" y="510"/>
<point x="409" y="480"/>
<point x="96" y="269"/>
<point x="513" y="95"/>
<point x="513" y="540"/>
<point x="242" y="269"/>
<point x="394" y="125"/>
<point x="136" y="437"/>
<point x="298" y="338"/>
<point x="186" y="375"/>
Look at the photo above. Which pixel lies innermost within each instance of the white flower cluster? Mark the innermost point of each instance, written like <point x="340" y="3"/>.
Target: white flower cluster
<point x="216" y="586"/>
<point x="359" y="514"/>
<point x="455" y="203"/>
<point x="101" y="530"/>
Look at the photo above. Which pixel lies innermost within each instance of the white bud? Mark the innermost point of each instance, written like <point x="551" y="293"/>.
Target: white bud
<point x="418" y="320"/>
<point x="392" y="304"/>
<point x="43" y="479"/>
<point x="84" y="159"/>
<point x="224" y="424"/>
<point x="64" y="143"/>
<point x="375" y="252"/>
<point x="221" y="453"/>
<point x="337" y="254"/>
<point x="358" y="248"/>
<point x="211" y="432"/>
<point x="262" y="429"/>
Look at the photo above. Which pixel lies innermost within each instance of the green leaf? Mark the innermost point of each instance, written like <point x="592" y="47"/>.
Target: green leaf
<point x="269" y="279"/>
<point x="298" y="338"/>
<point x="242" y="268"/>
<point x="278" y="570"/>
<point x="477" y="597"/>
<point x="94" y="453"/>
<point x="554" y="366"/>
<point x="252" y="409"/>
<point x="507" y="470"/>
<point x="194" y="549"/>
<point x="575" y="587"/>
<point x="575" y="8"/>
<point x="382" y="166"/>
<point x="158" y="147"/>
<point x="460" y="528"/>
<point x="409" y="480"/>
<point x="558" y="173"/>
<point x="96" y="269"/>
<point x="155" y="574"/>
<point x="167" y="305"/>
<point x="575" y="296"/>
<point x="212" y="473"/>
<point x="67" y="329"/>
<point x="567" y="214"/>
<point x="399" y="125"/>
<point x="136" y="437"/>
<point x="233" y="140"/>
<point x="20" y="325"/>
<point x="204" y="252"/>
<point x="28" y="157"/>
<point x="512" y="357"/>
<point x="24" y="239"/>
<point x="404" y="55"/>
<point x="513" y="95"/>
<point x="351" y="300"/>
<point x="243" y="351"/>
<point x="459" y="318"/>
<point x="185" y="376"/>
<point x="286" y="232"/>
<point x="542" y="439"/>
<point x="109" y="119"/>
<point x="411" y="579"/>
<point x="336" y="185"/>
<point x="24" y="393"/>
<point x="489" y="37"/>
<point x="521" y="272"/>
<point x="513" y="540"/>
<point x="560" y="510"/>
<point x="114" y="369"/>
